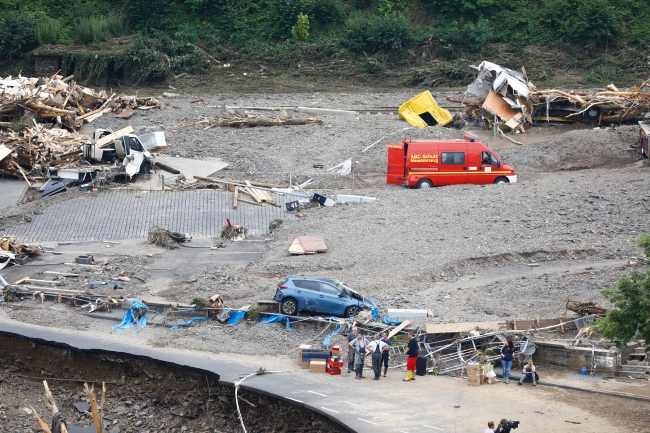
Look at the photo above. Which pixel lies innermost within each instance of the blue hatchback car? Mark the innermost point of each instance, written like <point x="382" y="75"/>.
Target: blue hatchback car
<point x="319" y="295"/>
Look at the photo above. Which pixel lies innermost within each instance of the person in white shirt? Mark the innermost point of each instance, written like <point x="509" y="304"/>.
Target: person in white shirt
<point x="528" y="373"/>
<point x="376" y="347"/>
<point x="490" y="428"/>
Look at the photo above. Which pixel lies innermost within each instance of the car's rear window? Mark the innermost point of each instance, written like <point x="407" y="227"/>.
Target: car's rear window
<point x="306" y="284"/>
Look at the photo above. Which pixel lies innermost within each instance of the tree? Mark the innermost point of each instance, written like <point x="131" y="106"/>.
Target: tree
<point x="631" y="316"/>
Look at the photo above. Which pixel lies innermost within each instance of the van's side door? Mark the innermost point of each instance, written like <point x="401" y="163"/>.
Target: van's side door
<point x="453" y="164"/>
<point x="395" y="167"/>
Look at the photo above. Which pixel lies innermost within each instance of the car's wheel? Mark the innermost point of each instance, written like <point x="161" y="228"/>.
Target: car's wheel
<point x="289" y="307"/>
<point x="178" y="237"/>
<point x="352" y="311"/>
<point x="145" y="168"/>
<point x="501" y="180"/>
<point x="424" y="184"/>
<point x="593" y="113"/>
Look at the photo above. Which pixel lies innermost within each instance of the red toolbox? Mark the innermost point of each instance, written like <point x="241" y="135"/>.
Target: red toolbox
<point x="334" y="364"/>
<point x="333" y="371"/>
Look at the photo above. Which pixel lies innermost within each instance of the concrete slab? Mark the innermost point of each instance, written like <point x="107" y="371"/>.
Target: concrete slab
<point x="191" y="167"/>
<point x="129" y="214"/>
<point x="13" y="191"/>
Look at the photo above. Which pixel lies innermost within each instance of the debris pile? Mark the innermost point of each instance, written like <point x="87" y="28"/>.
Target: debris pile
<point x="162" y="238"/>
<point x="41" y="120"/>
<point x="12" y="251"/>
<point x="506" y="97"/>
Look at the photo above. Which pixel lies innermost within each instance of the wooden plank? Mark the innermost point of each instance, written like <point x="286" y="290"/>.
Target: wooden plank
<point x="235" y="197"/>
<point x="256" y="193"/>
<point x="252" y="194"/>
<point x="64" y="274"/>
<point x="454" y="328"/>
<point x="250" y="202"/>
<point x="296" y="248"/>
<point x="267" y="196"/>
<point x="313" y="243"/>
<point x="22" y="280"/>
<point x="402" y="325"/>
<point x="104" y="141"/>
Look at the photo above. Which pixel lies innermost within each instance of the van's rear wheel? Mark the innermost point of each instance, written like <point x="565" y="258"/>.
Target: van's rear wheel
<point x="424" y="183"/>
<point x="501" y="180"/>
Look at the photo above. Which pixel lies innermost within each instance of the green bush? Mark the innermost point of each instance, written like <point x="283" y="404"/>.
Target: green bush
<point x="17" y="36"/>
<point x="94" y="29"/>
<point x="49" y="31"/>
<point x="300" y="32"/>
<point x="596" y="23"/>
<point x="372" y="33"/>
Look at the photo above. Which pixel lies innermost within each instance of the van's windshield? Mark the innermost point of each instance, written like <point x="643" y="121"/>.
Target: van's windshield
<point x="494" y="161"/>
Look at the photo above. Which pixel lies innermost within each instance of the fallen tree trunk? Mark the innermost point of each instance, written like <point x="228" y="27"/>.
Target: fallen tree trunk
<point x="585" y="308"/>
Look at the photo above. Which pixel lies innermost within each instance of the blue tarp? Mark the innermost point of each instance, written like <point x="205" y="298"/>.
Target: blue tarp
<point x="392" y="322"/>
<point x="328" y="339"/>
<point x="272" y="319"/>
<point x="130" y="320"/>
<point x="235" y="317"/>
<point x="289" y="324"/>
<point x="375" y="313"/>
<point x="188" y="322"/>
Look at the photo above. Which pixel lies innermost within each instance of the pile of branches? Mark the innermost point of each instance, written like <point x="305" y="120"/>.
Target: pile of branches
<point x="15" y="247"/>
<point x="612" y="105"/>
<point x="161" y="238"/>
<point x="41" y="120"/>
<point x="246" y="119"/>
<point x="230" y="232"/>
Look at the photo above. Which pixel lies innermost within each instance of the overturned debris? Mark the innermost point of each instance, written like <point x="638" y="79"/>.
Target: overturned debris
<point x="14" y="252"/>
<point x="503" y="96"/>
<point x="423" y="111"/>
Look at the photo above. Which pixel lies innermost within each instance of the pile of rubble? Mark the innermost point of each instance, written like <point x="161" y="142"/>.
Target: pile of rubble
<point x="513" y="100"/>
<point x="41" y="119"/>
<point x="14" y="252"/>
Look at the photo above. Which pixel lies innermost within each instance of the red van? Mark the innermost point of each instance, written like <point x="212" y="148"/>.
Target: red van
<point x="425" y="163"/>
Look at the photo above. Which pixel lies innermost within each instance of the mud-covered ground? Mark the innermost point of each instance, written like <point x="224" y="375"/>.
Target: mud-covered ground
<point x="461" y="251"/>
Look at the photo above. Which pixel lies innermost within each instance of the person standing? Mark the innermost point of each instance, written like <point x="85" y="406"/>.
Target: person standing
<point x="490" y="428"/>
<point x="412" y="353"/>
<point x="376" y="347"/>
<point x="385" y="354"/>
<point x="507" y="352"/>
<point x="359" y="345"/>
<point x="351" y="337"/>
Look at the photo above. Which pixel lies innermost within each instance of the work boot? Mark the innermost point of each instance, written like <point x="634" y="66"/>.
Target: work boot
<point x="521" y="381"/>
<point x="385" y="370"/>
<point x="507" y="380"/>
<point x="413" y="375"/>
<point x="408" y="377"/>
<point x="534" y="382"/>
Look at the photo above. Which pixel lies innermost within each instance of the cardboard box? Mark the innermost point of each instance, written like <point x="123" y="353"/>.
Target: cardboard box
<point x="474" y="380"/>
<point x="317" y="366"/>
<point x="336" y="353"/>
<point x="312" y="354"/>
<point x="300" y="349"/>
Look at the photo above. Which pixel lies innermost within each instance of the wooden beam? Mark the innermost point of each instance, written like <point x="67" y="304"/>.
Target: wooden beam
<point x="561" y="325"/>
<point x="234" y="197"/>
<point x="252" y="194"/>
<point x="104" y="141"/>
<point x="251" y="202"/>
<point x="514" y="322"/>
<point x="402" y="325"/>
